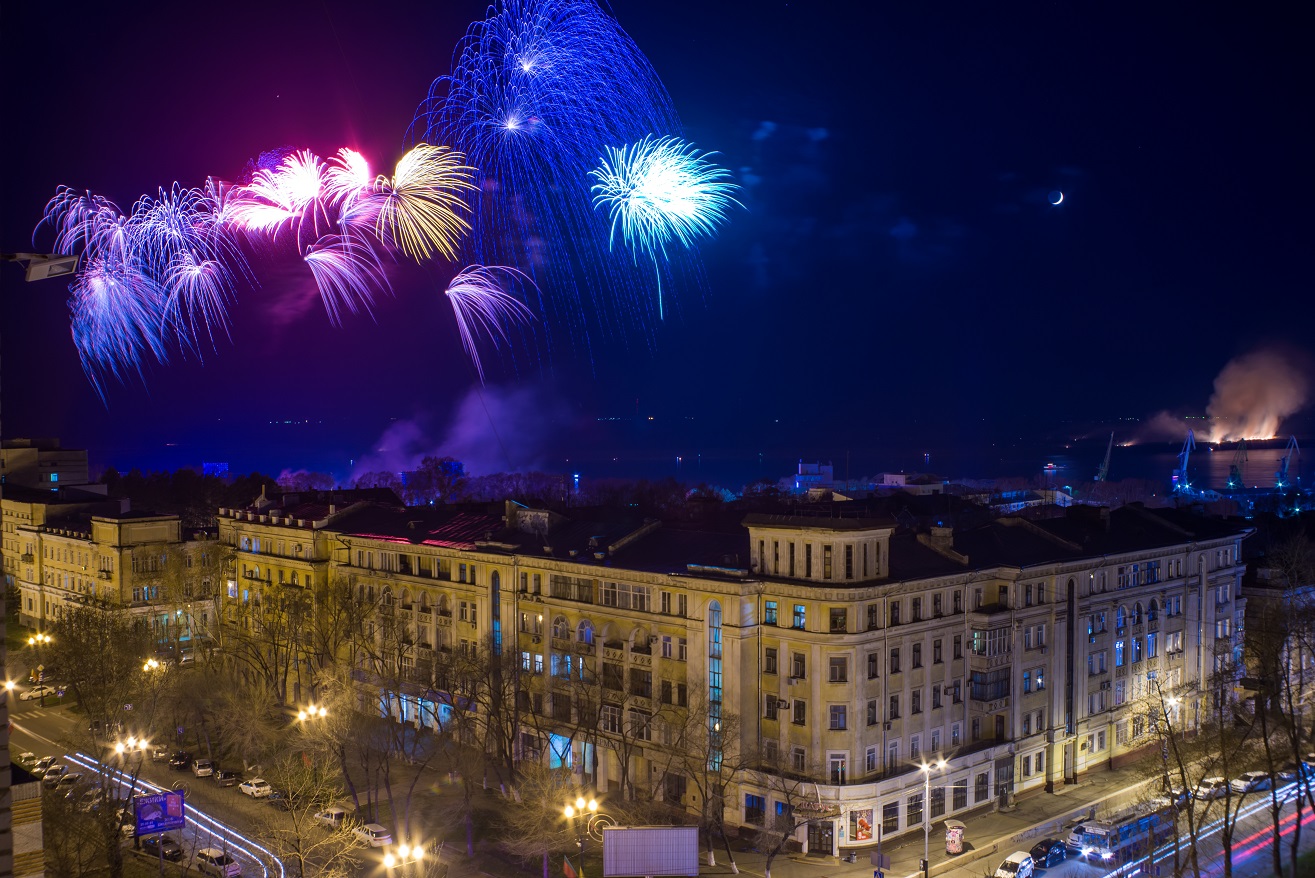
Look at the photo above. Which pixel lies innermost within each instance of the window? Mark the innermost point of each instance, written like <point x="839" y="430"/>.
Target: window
<point x="800" y="618"/>
<point x="872" y="712"/>
<point x="1027" y="766"/>
<point x="894" y="613"/>
<point x="1027" y="724"/>
<point x="915" y="748"/>
<point x="935" y="696"/>
<point x="1040" y="761"/>
<point x="609" y="716"/>
<point x="667" y="651"/>
<point x="960" y="790"/>
<point x="826" y="561"/>
<point x="936" y="607"/>
<point x="890" y="817"/>
<point x="916" y="702"/>
<point x="769" y="613"/>
<point x="808" y="560"/>
<point x="982" y="788"/>
<point x="796" y="762"/>
<point x="838" y="715"/>
<point x="873" y="669"/>
<point x="682" y="649"/>
<point x="917" y="609"/>
<point x="955" y="737"/>
<point x="797" y="665"/>
<point x="913" y="810"/>
<point x="849" y="562"/>
<point x="770" y="712"/>
<point x="1152" y="645"/>
<point x="894" y="708"/>
<point x="800" y="712"/>
<point x="917" y="655"/>
<point x="958" y="601"/>
<point x="870" y="760"/>
<point x="935" y="740"/>
<point x="839" y="620"/>
<point x="792" y="559"/>
<point x="839" y="666"/>
<point x="1027" y="681"/>
<point x="1039" y="676"/>
<point x="755" y="809"/>
<point x="874" y="616"/>
<point x="1118" y="653"/>
<point x="894" y="661"/>
<point x="769" y="660"/>
<point x="958" y="645"/>
<point x="936" y="652"/>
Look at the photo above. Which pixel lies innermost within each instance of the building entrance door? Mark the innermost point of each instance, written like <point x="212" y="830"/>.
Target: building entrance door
<point x="821" y="838"/>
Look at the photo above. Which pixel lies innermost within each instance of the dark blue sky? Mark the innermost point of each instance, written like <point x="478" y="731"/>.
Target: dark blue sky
<point x="897" y="280"/>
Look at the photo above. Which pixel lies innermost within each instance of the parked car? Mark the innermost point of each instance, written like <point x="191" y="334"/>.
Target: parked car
<point x="1016" y="865"/>
<point x="180" y="760"/>
<point x="1174" y="797"/>
<point x="40" y="690"/>
<point x="160" y="754"/>
<point x="256" y="787"/>
<point x="333" y="817"/>
<point x="1289" y="771"/>
<point x="87" y="801"/>
<point x="225" y="778"/>
<point x="1251" y="781"/>
<point x="1211" y="788"/>
<point x="1074" y="841"/>
<point x="1048" y="852"/>
<point x="279" y="799"/>
<point x="373" y="835"/>
<point x="42" y="765"/>
<point x="26" y="760"/>
<point x="213" y="861"/>
<point x="162" y="846"/>
<point x="68" y="781"/>
<point x="203" y="767"/>
<point x="50" y="779"/>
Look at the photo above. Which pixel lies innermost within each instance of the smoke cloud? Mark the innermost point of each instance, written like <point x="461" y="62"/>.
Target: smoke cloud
<point x="492" y="430"/>
<point x="1254" y="393"/>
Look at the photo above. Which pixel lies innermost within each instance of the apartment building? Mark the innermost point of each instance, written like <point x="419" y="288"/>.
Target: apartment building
<point x="851" y="650"/>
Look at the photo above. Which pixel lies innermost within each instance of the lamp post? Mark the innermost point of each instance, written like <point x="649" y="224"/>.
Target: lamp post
<point x="926" y="812"/>
<point x="310" y="712"/>
<point x="581" y="814"/>
<point x="36" y="641"/>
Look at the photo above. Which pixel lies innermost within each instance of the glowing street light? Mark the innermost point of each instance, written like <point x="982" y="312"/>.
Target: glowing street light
<point x="582" y="815"/>
<point x="406" y="855"/>
<point x="310" y="712"/>
<point x="151" y="665"/>
<point x="926" y="812"/>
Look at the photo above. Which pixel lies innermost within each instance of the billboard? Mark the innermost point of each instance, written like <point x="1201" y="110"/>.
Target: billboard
<point x="159" y="812"/>
<point x="650" y="850"/>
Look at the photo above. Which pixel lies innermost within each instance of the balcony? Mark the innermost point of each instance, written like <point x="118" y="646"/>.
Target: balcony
<point x="105" y="574"/>
<point x="28" y="558"/>
<point x="983" y="663"/>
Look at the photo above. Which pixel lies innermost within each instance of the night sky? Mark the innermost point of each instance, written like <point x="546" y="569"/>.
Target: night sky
<point x="896" y="282"/>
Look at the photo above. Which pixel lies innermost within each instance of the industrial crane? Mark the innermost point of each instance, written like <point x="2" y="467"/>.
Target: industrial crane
<point x="1103" y="473"/>
<point x="1235" y="481"/>
<point x="1281" y="477"/>
<point x="1180" y="483"/>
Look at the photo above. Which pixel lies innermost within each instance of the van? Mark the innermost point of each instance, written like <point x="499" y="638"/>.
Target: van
<point x="333" y="817"/>
<point x="1016" y="865"/>
<point x="213" y="861"/>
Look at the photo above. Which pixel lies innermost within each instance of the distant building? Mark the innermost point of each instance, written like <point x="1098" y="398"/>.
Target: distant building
<point x="41" y="463"/>
<point x="813" y="476"/>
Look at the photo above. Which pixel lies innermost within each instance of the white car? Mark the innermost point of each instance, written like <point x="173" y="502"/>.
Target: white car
<point x="36" y="692"/>
<point x="1211" y="788"/>
<point x="332" y="817"/>
<point x="256" y="787"/>
<point x="1016" y="865"/>
<point x="373" y="834"/>
<point x="203" y="767"/>
<point x="1252" y="781"/>
<point x="213" y="861"/>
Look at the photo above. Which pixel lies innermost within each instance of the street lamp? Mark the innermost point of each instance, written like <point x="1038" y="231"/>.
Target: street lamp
<point x="406" y="855"/>
<point x="36" y="641"/>
<point x="310" y="712"/>
<point x="926" y="812"/>
<point x="581" y="815"/>
<point x="151" y="665"/>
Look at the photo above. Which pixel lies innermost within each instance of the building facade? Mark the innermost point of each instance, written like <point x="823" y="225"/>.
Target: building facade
<point x="848" y="651"/>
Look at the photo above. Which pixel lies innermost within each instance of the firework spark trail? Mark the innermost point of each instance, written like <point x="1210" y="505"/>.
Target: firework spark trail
<point x="417" y="207"/>
<point x="537" y="91"/>
<point x="660" y="191"/>
<point x="483" y="306"/>
<point x="167" y="270"/>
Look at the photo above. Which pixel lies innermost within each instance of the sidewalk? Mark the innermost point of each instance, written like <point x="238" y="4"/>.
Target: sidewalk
<point x="991" y="835"/>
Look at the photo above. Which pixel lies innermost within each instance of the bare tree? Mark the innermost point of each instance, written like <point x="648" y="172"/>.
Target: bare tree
<point x="532" y="821"/>
<point x="306" y="784"/>
<point x="794" y="794"/>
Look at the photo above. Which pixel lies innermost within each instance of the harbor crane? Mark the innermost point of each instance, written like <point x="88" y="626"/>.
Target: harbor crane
<point x="1180" y="483"/>
<point x="1281" y="477"/>
<point x="1235" y="480"/>
<point x="1104" y="472"/>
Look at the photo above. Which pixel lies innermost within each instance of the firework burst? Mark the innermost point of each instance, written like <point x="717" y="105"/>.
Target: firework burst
<point x="484" y="306"/>
<point x="417" y="208"/>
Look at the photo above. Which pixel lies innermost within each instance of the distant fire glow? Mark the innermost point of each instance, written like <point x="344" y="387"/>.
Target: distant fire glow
<point x="1253" y="394"/>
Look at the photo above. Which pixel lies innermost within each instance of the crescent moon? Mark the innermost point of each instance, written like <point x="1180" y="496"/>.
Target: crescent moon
<point x="1061" y="199"/>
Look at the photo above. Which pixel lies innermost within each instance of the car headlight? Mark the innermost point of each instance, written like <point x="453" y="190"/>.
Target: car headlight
<point x="1107" y="855"/>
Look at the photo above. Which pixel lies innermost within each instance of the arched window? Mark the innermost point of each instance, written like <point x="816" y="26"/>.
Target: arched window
<point x="561" y="629"/>
<point x="585" y="632"/>
<point x="1121" y="617"/>
<point x="1136" y="613"/>
<point x="1152" y="611"/>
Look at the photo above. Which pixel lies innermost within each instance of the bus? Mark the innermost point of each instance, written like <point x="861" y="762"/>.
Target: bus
<point x="1126" y="837"/>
